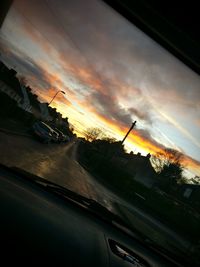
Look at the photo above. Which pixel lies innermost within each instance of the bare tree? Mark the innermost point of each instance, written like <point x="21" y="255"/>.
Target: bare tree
<point x="22" y="80"/>
<point x="183" y="180"/>
<point x="92" y="134"/>
<point x="168" y="165"/>
<point x="196" y="180"/>
<point x="158" y="161"/>
<point x="165" y="158"/>
<point x="71" y="128"/>
<point x="109" y="139"/>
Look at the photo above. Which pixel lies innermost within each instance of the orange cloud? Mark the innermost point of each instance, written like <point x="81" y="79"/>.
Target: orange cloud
<point x="197" y="122"/>
<point x="191" y="163"/>
<point x="146" y="144"/>
<point x="86" y="75"/>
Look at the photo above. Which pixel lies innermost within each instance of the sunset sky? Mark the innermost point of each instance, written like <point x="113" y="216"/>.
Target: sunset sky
<point x="112" y="73"/>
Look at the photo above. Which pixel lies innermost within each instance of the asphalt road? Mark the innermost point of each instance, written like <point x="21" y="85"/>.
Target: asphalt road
<point x="57" y="163"/>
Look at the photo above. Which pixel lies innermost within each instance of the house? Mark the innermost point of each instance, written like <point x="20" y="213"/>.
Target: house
<point x="138" y="166"/>
<point x="189" y="193"/>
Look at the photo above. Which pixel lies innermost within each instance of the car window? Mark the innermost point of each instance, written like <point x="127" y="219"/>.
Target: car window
<point x="125" y="114"/>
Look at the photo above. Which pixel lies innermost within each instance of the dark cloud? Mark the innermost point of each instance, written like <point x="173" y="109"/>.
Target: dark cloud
<point x="23" y="64"/>
<point x="146" y="136"/>
<point x="121" y="50"/>
<point x="140" y="114"/>
<point x="107" y="106"/>
<point x="114" y="68"/>
<point x="106" y="102"/>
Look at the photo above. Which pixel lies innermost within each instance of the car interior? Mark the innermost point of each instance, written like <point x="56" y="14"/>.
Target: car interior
<point x="47" y="215"/>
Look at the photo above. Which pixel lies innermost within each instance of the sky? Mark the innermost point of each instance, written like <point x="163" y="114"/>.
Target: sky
<point x="111" y="72"/>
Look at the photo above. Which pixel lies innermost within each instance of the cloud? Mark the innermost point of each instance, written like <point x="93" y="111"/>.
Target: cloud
<point x="24" y="64"/>
<point x="108" y="106"/>
<point x="107" y="67"/>
<point x="97" y="80"/>
<point x="44" y="83"/>
<point x="140" y="114"/>
<point x="197" y="122"/>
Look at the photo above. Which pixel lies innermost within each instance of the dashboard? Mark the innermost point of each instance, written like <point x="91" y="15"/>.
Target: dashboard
<point x="39" y="227"/>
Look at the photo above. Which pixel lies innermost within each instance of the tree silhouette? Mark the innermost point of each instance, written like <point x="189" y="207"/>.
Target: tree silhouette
<point x="172" y="171"/>
<point x="109" y="139"/>
<point x="92" y="134"/>
<point x="168" y="166"/>
<point x="196" y="180"/>
<point x="166" y="157"/>
<point x="22" y="80"/>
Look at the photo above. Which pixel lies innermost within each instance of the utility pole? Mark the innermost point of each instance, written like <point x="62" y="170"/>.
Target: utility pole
<point x="132" y="126"/>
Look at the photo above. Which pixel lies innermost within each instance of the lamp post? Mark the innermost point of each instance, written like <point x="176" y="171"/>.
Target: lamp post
<point x="56" y="95"/>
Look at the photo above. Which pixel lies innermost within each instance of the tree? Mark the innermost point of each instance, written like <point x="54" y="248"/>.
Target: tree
<point x="172" y="171"/>
<point x="71" y="128"/>
<point x="183" y="180"/>
<point x="168" y="166"/>
<point x="196" y="180"/>
<point x="109" y="139"/>
<point x="166" y="157"/>
<point x="92" y="134"/>
<point x="22" y="80"/>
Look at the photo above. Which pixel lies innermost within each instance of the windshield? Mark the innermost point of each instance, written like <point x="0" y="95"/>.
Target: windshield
<point x="123" y="115"/>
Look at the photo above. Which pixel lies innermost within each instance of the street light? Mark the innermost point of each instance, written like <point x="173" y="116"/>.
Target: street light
<point x="56" y="95"/>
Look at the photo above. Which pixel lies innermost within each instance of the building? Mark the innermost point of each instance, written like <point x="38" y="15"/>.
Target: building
<point x="18" y="101"/>
<point x="189" y="193"/>
<point x="44" y="110"/>
<point x="9" y="84"/>
<point x="135" y="165"/>
<point x="138" y="166"/>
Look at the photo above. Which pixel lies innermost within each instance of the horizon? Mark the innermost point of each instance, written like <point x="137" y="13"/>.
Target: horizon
<point x="111" y="72"/>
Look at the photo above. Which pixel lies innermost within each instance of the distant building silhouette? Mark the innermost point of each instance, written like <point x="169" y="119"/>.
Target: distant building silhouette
<point x="138" y="166"/>
<point x="189" y="193"/>
<point x="5" y="5"/>
<point x="16" y="96"/>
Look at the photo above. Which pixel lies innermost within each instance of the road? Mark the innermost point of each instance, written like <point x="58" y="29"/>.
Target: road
<point x="57" y="163"/>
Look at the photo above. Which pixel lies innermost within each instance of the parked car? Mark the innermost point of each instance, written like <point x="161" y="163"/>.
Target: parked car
<point x="80" y="214"/>
<point x="67" y="139"/>
<point x="43" y="132"/>
<point x="62" y="137"/>
<point x="55" y="136"/>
